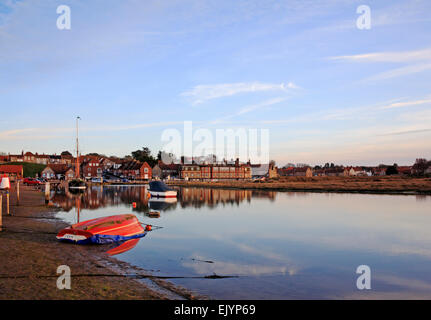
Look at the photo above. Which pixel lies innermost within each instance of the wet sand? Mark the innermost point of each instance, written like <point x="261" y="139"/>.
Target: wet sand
<point x="30" y="256"/>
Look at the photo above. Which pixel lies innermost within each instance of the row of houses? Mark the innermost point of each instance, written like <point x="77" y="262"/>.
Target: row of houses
<point x="95" y="166"/>
<point x="232" y="170"/>
<point x="135" y="170"/>
<point x="65" y="158"/>
<point x="341" y="171"/>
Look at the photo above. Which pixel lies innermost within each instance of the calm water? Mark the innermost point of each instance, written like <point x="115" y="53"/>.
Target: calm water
<point x="280" y="245"/>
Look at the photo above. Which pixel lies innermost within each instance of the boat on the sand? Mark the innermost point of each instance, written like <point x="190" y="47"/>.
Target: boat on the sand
<point x="110" y="229"/>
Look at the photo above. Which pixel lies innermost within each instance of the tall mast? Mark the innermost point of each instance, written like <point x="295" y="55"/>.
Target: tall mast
<point x="77" y="207"/>
<point x="77" y="149"/>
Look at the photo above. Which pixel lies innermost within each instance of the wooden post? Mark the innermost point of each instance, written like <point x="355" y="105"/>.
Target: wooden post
<point x="7" y="203"/>
<point x="17" y="193"/>
<point x="47" y="192"/>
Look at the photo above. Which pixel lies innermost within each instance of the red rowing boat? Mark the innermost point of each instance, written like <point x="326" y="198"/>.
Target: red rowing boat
<point x="116" y="228"/>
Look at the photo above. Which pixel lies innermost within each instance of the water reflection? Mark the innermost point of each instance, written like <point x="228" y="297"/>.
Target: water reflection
<point x="280" y="244"/>
<point x="100" y="197"/>
<point x="123" y="247"/>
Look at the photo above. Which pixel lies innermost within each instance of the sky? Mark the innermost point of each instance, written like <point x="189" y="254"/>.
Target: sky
<point x="326" y="90"/>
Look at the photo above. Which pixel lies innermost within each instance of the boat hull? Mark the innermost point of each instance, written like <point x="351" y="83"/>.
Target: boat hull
<point x="164" y="194"/>
<point x="103" y="230"/>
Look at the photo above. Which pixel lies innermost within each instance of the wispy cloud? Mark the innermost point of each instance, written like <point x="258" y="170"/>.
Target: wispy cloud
<point x="403" y="56"/>
<point x="33" y="133"/>
<point x="416" y="60"/>
<point x="399" y="72"/>
<point x="202" y="93"/>
<point x="250" y="108"/>
<point x="407" y="104"/>
<point x="53" y="133"/>
<point x="397" y="133"/>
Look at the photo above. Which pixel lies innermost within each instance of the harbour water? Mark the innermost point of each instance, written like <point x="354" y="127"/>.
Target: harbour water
<point x="275" y="245"/>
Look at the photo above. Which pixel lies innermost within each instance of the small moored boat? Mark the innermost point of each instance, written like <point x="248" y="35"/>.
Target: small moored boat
<point x="104" y="230"/>
<point x="77" y="184"/>
<point x="154" y="214"/>
<point x="159" y="189"/>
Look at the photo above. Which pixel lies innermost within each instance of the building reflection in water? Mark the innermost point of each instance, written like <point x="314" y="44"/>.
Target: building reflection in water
<point x="99" y="197"/>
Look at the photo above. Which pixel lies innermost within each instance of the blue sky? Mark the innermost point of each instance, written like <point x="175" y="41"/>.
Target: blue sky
<point x="326" y="90"/>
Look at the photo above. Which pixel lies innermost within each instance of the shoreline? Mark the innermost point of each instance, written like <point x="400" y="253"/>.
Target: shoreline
<point x="30" y="256"/>
<point x="362" y="185"/>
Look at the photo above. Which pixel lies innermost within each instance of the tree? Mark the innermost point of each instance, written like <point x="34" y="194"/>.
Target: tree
<point x="144" y="155"/>
<point x="66" y="153"/>
<point x="391" y="170"/>
<point x="95" y="154"/>
<point x="420" y="166"/>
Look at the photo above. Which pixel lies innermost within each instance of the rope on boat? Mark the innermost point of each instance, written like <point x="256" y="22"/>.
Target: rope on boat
<point x="152" y="226"/>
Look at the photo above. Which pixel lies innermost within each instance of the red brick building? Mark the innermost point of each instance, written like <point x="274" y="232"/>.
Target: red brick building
<point x="12" y="171"/>
<point x="162" y="170"/>
<point x="91" y="168"/>
<point x="58" y="171"/>
<point x="216" y="171"/>
<point x="135" y="170"/>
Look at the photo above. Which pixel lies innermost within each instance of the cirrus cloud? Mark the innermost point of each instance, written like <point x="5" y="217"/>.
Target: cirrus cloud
<point x="202" y="93"/>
